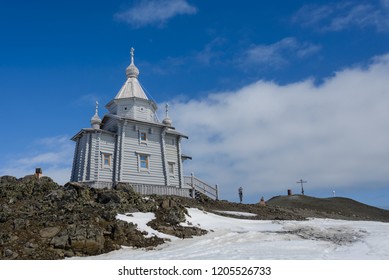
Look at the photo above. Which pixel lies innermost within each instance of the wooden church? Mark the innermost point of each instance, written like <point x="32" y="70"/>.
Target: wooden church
<point x="131" y="145"/>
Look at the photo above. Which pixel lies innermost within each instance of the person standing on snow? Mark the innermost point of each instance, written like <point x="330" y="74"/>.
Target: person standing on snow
<point x="240" y="191"/>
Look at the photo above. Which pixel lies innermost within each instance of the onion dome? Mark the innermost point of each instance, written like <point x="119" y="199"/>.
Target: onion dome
<point x="132" y="71"/>
<point x="95" y="120"/>
<point x="167" y="121"/>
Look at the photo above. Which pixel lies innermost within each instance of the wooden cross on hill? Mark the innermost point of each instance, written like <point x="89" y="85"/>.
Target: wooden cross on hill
<point x="302" y="185"/>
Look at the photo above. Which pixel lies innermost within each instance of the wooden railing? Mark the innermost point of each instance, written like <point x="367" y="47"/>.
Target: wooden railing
<point x="160" y="190"/>
<point x="201" y="187"/>
<point x="192" y="187"/>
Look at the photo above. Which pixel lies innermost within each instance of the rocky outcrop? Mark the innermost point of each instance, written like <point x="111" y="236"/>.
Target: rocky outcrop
<point x="41" y="220"/>
<point x="169" y="217"/>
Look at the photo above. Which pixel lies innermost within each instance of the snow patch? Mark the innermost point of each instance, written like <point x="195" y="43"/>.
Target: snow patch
<point x="231" y="238"/>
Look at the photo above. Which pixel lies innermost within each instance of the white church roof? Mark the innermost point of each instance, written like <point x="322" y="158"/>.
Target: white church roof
<point x="131" y="87"/>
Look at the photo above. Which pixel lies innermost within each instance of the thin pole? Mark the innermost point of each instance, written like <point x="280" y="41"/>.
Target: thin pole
<point x="302" y="185"/>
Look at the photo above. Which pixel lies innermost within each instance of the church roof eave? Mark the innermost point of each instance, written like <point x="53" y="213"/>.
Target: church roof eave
<point x="90" y="130"/>
<point x="122" y="118"/>
<point x="115" y="101"/>
<point x="185" y="157"/>
<point x="170" y="129"/>
<point x="175" y="132"/>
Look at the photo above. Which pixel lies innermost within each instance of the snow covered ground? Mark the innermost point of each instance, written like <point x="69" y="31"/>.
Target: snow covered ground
<point x="243" y="239"/>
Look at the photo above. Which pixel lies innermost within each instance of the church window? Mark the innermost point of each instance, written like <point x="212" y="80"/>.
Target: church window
<point x="171" y="168"/>
<point x="106" y="160"/>
<point x="170" y="141"/>
<point x="143" y="162"/>
<point x="143" y="137"/>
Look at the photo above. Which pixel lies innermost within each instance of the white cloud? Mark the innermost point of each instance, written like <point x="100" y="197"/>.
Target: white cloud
<point x="266" y="136"/>
<point x="338" y="16"/>
<point x="54" y="155"/>
<point x="277" y="54"/>
<point x="154" y="12"/>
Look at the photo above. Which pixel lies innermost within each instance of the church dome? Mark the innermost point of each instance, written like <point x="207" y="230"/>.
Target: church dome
<point x="132" y="71"/>
<point x="95" y="120"/>
<point x="167" y="121"/>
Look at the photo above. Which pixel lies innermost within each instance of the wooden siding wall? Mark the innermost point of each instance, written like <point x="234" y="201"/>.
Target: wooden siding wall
<point x="88" y="158"/>
<point x="124" y="148"/>
<point x="113" y="108"/>
<point x="75" y="166"/>
<point x="119" y="154"/>
<point x="132" y="147"/>
<point x="172" y="156"/>
<point x="81" y="164"/>
<point x="110" y="125"/>
<point x="136" y="109"/>
<point x="107" y="146"/>
<point x="143" y="112"/>
<point x="180" y="167"/>
<point x="87" y="165"/>
<point x="129" y="113"/>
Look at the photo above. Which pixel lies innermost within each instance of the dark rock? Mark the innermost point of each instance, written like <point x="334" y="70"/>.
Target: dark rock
<point x="171" y="216"/>
<point x="7" y="180"/>
<point x="109" y="215"/>
<point x="3" y="217"/>
<point x="107" y="197"/>
<point x="56" y="195"/>
<point x="76" y="190"/>
<point x="9" y="254"/>
<point x="61" y="241"/>
<point x="127" y="189"/>
<point x="180" y="231"/>
<point x="86" y="239"/>
<point x="168" y="203"/>
<point x="68" y="253"/>
<point x="19" y="224"/>
<point x="4" y="238"/>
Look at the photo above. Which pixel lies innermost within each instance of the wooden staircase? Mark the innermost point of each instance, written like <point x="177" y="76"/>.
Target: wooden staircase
<point x="198" y="187"/>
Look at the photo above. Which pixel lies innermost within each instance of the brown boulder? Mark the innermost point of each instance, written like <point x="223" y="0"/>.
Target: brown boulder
<point x="49" y="232"/>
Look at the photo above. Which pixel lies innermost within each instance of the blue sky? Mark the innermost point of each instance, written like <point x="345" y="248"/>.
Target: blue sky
<point x="269" y="92"/>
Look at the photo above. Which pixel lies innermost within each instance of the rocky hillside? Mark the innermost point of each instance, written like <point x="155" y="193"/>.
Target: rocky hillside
<point x="333" y="207"/>
<point x="40" y="219"/>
